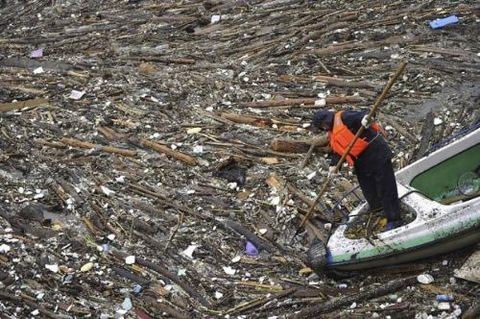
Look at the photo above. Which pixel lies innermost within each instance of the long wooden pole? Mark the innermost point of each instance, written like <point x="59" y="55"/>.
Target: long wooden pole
<point x="349" y="147"/>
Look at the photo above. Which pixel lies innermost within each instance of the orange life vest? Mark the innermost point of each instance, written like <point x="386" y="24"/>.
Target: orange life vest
<point x="341" y="136"/>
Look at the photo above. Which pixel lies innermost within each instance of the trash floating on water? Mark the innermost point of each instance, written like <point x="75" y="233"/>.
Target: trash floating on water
<point x="189" y="251"/>
<point x="440" y="23"/>
<point x="444" y="298"/>
<point x="86" y="267"/>
<point x="76" y="95"/>
<point x="229" y="270"/>
<point x="250" y="249"/>
<point x="425" y="279"/>
<point x="37" y="53"/>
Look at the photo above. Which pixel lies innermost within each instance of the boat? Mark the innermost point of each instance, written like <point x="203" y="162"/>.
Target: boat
<point x="441" y="193"/>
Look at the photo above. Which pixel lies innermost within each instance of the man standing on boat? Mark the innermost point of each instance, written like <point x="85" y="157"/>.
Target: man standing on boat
<point x="370" y="156"/>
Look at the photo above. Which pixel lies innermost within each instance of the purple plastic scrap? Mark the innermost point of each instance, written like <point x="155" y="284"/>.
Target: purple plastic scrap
<point x="37" y="53"/>
<point x="440" y="23"/>
<point x="250" y="249"/>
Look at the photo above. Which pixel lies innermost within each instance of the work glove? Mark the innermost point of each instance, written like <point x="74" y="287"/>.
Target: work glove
<point x="366" y="122"/>
<point x="331" y="172"/>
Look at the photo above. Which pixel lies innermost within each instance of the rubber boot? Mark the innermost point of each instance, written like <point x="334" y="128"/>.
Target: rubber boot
<point x="393" y="225"/>
<point x="317" y="255"/>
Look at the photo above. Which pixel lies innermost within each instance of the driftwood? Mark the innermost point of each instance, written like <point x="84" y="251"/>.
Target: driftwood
<point x="307" y="201"/>
<point x="307" y="157"/>
<point x="156" y="71"/>
<point x="373" y="291"/>
<point x="161" y="307"/>
<point x="109" y="149"/>
<point x="349" y="46"/>
<point x="52" y="144"/>
<point x="429" y="49"/>
<point x="193" y="293"/>
<point x="299" y="146"/>
<point x="109" y="134"/>
<point x="259" y="121"/>
<point x="7" y="107"/>
<point x="428" y="130"/>
<point x="251" y="237"/>
<point x="163" y="149"/>
<point x="306" y="101"/>
<point x="279" y="184"/>
<point x="333" y="81"/>
<point x="23" y="300"/>
<point x="247" y="119"/>
<point x="131" y="276"/>
<point x="398" y="127"/>
<point x="164" y="60"/>
<point x="70" y="190"/>
<point x="259" y="301"/>
<point x="327" y="80"/>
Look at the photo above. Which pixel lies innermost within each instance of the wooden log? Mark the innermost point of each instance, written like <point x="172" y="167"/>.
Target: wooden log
<point x="306" y="101"/>
<point x="333" y="81"/>
<point x="307" y="157"/>
<point x="350" y="46"/>
<point x="455" y="52"/>
<point x="299" y="146"/>
<point x="131" y="276"/>
<point x="247" y="119"/>
<point x="263" y="122"/>
<point x="163" y="149"/>
<point x="256" y="303"/>
<point x="28" y="90"/>
<point x="109" y="149"/>
<point x="159" y="309"/>
<point x="327" y="80"/>
<point x="7" y="107"/>
<point x="166" y="60"/>
<point x="110" y="134"/>
<point x="52" y="144"/>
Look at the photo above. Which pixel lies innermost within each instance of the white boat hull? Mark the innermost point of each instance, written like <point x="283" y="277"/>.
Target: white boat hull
<point x="436" y="229"/>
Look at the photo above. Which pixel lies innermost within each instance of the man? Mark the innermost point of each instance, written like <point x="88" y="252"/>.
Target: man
<point x="370" y="156"/>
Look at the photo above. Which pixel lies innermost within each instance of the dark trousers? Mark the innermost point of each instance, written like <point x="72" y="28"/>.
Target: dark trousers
<point x="380" y="189"/>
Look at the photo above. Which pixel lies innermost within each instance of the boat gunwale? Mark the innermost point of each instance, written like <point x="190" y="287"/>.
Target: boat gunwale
<point x="353" y="261"/>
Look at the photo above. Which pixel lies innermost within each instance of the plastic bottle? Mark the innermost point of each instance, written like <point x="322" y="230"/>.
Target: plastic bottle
<point x="444" y="298"/>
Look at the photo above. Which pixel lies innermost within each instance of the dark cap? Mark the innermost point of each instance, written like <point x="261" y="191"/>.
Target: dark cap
<point x="322" y="119"/>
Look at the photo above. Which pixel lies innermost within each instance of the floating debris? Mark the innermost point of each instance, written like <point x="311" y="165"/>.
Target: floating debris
<point x="142" y="127"/>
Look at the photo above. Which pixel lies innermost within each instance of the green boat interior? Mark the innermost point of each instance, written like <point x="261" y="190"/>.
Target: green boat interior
<point x="453" y="180"/>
